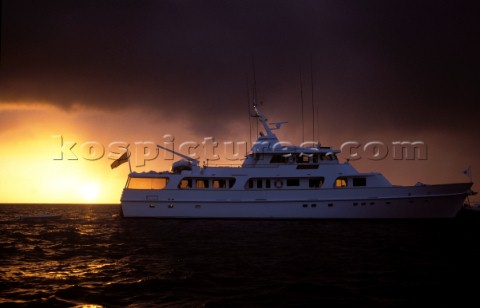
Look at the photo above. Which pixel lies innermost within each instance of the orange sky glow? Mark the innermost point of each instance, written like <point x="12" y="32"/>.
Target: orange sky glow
<point x="34" y="170"/>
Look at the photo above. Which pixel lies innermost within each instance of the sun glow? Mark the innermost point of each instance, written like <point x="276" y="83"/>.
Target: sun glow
<point x="37" y="169"/>
<point x="90" y="191"/>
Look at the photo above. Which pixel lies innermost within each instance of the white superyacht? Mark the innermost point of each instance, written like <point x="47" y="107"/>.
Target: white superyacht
<point x="283" y="182"/>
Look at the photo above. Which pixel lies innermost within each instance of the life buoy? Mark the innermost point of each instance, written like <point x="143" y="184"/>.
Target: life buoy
<point x="278" y="184"/>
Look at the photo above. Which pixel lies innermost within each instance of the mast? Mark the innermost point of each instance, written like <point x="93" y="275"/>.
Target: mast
<point x="264" y="122"/>
<point x="313" y="105"/>
<point x="254" y="87"/>
<point x="318" y="126"/>
<point x="249" y="111"/>
<point x="301" y="99"/>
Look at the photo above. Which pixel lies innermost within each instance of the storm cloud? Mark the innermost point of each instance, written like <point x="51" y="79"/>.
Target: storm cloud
<point x="411" y="65"/>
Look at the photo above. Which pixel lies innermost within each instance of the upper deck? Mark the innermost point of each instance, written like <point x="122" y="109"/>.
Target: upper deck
<point x="269" y="164"/>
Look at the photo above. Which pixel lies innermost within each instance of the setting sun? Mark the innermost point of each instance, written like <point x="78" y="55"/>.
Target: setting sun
<point x="90" y="191"/>
<point x="36" y="169"/>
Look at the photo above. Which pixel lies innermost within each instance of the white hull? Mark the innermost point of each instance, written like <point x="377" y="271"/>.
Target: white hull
<point x="416" y="202"/>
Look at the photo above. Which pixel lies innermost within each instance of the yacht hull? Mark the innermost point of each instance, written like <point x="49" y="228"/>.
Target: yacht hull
<point x="428" y="201"/>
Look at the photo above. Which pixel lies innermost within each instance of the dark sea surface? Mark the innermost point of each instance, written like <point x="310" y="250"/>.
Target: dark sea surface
<point x="92" y="256"/>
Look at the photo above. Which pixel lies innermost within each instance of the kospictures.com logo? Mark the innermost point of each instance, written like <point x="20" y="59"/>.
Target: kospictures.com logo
<point x="142" y="152"/>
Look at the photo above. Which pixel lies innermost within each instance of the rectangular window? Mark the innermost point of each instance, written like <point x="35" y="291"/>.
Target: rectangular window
<point x="259" y="183"/>
<point x="303" y="158"/>
<point x="341" y="182"/>
<point x="293" y="182"/>
<point x="315" y="183"/>
<point x="267" y="183"/>
<point x="359" y="181"/>
<point x="279" y="159"/>
<point x="201" y="183"/>
<point x="328" y="156"/>
<point x="147" y="183"/>
<point x="185" y="184"/>
<point x="219" y="184"/>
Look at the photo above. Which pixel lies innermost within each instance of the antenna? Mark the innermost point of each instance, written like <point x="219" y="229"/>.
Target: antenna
<point x="318" y="126"/>
<point x="254" y="82"/>
<point x="313" y="105"/>
<point x="249" y="111"/>
<point x="254" y="86"/>
<point x="301" y="99"/>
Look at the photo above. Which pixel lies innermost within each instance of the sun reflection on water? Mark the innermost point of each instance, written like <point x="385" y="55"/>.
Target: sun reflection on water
<point x="46" y="258"/>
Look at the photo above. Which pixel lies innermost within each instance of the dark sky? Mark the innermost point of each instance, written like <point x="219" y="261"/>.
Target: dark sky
<point x="390" y="56"/>
<point x="396" y="65"/>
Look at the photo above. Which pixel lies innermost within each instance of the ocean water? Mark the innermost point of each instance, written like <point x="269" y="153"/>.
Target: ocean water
<point x="92" y="256"/>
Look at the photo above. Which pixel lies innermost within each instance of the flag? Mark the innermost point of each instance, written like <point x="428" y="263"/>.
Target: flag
<point x="122" y="159"/>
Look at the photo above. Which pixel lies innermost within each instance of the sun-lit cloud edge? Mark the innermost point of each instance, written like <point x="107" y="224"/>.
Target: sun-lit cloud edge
<point x="26" y="106"/>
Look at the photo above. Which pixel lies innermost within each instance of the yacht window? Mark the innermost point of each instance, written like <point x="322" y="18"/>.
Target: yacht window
<point x="259" y="183"/>
<point x="202" y="183"/>
<point x="315" y="183"/>
<point x="279" y="159"/>
<point x="341" y="182"/>
<point x="328" y="156"/>
<point x="302" y="158"/>
<point x="359" y="181"/>
<point x="250" y="183"/>
<point x="147" y="183"/>
<point x="219" y="183"/>
<point x="267" y="183"/>
<point x="185" y="184"/>
<point x="293" y="182"/>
